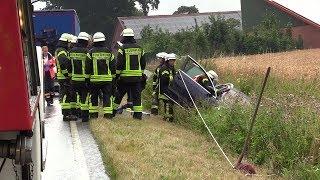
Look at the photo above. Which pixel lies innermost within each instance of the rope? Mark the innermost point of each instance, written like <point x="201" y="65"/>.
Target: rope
<point x="204" y="122"/>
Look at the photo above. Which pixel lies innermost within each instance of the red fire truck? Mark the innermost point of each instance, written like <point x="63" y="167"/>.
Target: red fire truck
<point x="21" y="100"/>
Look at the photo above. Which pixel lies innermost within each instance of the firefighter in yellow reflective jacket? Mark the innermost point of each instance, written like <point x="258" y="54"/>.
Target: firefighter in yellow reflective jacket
<point x="102" y="69"/>
<point x="166" y="73"/>
<point x="80" y="73"/>
<point x="63" y="63"/>
<point x="130" y="68"/>
<point x="155" y="84"/>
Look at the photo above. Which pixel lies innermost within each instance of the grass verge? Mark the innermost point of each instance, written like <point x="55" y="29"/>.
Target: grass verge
<point x="154" y="149"/>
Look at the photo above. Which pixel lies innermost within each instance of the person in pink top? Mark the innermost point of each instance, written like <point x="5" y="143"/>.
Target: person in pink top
<point x="49" y="75"/>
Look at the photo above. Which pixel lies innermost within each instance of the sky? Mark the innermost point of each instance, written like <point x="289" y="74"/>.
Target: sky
<point x="170" y="6"/>
<point x="309" y="8"/>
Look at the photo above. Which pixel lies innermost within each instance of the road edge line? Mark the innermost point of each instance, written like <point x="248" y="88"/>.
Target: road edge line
<point x="78" y="152"/>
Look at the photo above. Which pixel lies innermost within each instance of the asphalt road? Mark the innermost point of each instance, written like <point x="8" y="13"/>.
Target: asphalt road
<point x="72" y="153"/>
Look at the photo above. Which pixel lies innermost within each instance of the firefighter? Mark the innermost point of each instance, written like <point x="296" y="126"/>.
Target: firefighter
<point x="74" y="100"/>
<point x="75" y="104"/>
<point x="63" y="64"/>
<point x="213" y="76"/>
<point x="130" y="67"/>
<point x="166" y="74"/>
<point x="102" y="68"/>
<point x="129" y="104"/>
<point x="80" y="73"/>
<point x="155" y="84"/>
<point x="205" y="82"/>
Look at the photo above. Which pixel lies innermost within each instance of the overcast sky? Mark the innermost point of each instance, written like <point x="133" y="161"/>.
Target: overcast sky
<point x="307" y="8"/>
<point x="169" y="6"/>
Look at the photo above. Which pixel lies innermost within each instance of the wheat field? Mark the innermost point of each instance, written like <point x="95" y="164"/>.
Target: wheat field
<point x="302" y="64"/>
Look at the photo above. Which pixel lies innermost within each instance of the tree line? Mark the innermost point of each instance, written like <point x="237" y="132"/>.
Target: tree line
<point x="222" y="37"/>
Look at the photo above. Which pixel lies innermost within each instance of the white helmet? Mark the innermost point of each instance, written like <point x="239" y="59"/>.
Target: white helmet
<point x="212" y="74"/>
<point x="74" y="39"/>
<point x="64" y="37"/>
<point x="127" y="33"/>
<point x="171" y="56"/>
<point x="84" y="36"/>
<point x="161" y="55"/>
<point x="98" y="37"/>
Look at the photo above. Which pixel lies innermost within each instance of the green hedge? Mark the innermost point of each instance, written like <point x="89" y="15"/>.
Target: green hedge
<point x="221" y="37"/>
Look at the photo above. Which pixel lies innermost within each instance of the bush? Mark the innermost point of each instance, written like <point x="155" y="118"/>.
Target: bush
<point x="221" y="37"/>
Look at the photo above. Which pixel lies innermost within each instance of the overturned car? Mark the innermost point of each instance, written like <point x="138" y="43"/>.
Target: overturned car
<point x="185" y="84"/>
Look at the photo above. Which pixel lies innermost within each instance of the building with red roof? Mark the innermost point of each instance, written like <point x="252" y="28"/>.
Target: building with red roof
<point x="301" y="15"/>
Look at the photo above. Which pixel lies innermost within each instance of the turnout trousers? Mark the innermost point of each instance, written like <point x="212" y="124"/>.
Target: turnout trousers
<point x="67" y="99"/>
<point x="82" y="90"/>
<point x="106" y="89"/>
<point x="168" y="108"/>
<point x="155" y="103"/>
<point x="133" y="89"/>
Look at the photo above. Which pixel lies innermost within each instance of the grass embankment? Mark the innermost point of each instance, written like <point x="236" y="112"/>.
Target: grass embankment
<point x="154" y="149"/>
<point x="285" y="139"/>
<point x="287" y="132"/>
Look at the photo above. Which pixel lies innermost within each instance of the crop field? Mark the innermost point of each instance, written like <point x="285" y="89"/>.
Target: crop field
<point x="304" y="64"/>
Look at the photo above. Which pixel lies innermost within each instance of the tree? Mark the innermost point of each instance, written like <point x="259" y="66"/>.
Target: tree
<point x="187" y="10"/>
<point x="145" y="5"/>
<point x="96" y="15"/>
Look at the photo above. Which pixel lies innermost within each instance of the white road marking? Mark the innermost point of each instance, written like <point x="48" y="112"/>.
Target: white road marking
<point x="78" y="152"/>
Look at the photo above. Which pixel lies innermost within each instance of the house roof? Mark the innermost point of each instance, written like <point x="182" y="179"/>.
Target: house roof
<point x="306" y="11"/>
<point x="173" y="23"/>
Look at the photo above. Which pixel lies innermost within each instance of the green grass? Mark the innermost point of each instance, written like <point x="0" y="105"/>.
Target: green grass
<point x="287" y="124"/>
<point x="154" y="149"/>
<point x="283" y="139"/>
